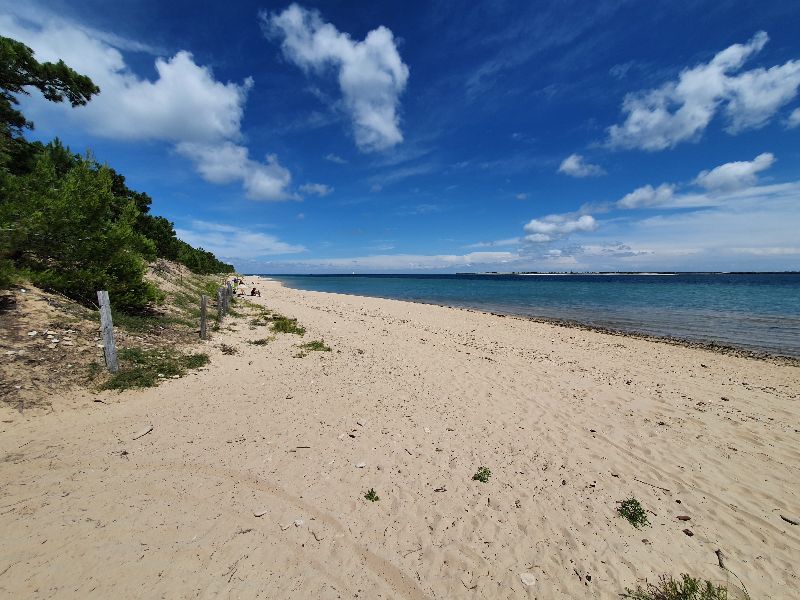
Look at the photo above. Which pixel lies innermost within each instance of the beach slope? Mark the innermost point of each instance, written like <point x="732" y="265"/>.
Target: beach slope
<point x="252" y="481"/>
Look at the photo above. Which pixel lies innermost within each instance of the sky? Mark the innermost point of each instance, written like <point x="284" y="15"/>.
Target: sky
<point x="434" y="136"/>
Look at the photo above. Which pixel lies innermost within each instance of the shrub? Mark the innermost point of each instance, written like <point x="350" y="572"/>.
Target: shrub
<point x="371" y="495"/>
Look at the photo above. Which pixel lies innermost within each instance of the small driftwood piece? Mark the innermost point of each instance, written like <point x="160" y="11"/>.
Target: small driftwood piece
<point x="143" y="433"/>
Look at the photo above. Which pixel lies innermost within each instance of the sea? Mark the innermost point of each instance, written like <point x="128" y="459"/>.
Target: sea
<point x="753" y="311"/>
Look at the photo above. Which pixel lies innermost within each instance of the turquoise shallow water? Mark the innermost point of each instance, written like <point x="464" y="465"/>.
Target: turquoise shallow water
<point x="753" y="311"/>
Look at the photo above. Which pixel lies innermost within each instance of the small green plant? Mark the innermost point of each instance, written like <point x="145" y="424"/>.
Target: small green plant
<point x="631" y="509"/>
<point x="688" y="588"/>
<point x="259" y="342"/>
<point x="146" y="367"/>
<point x="371" y="495"/>
<point x="482" y="475"/>
<point x="281" y="324"/>
<point x="226" y="349"/>
<point x="316" y="346"/>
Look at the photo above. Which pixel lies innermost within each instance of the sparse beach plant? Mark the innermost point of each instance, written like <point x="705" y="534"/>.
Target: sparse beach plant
<point x="259" y="342"/>
<point x="631" y="509"/>
<point x="482" y="475"/>
<point x="226" y="349"/>
<point x="687" y="588"/>
<point x="316" y="346"/>
<point x="371" y="495"/>
<point x="281" y="324"/>
<point x="141" y="367"/>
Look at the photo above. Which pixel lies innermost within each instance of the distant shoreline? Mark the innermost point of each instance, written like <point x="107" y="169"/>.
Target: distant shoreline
<point x="717" y="347"/>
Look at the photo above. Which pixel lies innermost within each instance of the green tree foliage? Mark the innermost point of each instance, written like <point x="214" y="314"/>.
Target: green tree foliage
<point x="56" y="81"/>
<point x="71" y="224"/>
<point x="70" y="239"/>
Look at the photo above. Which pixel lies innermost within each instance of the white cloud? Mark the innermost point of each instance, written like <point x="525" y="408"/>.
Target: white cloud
<point x="521" y="196"/>
<point x="228" y="162"/>
<point x="647" y="196"/>
<point x="735" y="175"/>
<point x="335" y="158"/>
<point x="575" y="166"/>
<point x="403" y="262"/>
<point x="319" y="189"/>
<point x="681" y="110"/>
<point x="495" y="243"/>
<point x="184" y="104"/>
<point x="554" y="227"/>
<point x="371" y="73"/>
<point x="794" y="118"/>
<point x="233" y="243"/>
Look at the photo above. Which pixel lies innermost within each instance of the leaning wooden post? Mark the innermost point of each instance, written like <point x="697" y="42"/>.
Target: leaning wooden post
<point x="107" y="331"/>
<point x="220" y="306"/>
<point x="203" y="305"/>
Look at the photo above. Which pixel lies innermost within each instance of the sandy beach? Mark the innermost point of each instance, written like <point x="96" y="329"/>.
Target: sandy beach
<point x="251" y="483"/>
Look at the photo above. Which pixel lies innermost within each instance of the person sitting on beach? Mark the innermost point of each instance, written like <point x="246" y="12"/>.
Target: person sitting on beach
<point x="255" y="292"/>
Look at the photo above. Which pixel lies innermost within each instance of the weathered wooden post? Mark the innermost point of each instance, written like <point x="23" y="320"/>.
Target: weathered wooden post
<point x="220" y="305"/>
<point x="107" y="331"/>
<point x="203" y="308"/>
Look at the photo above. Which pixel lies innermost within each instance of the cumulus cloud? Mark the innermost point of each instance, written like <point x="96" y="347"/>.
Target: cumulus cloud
<point x="681" y="110"/>
<point x="233" y="243"/>
<point x="318" y="189"/>
<point x="555" y="227"/>
<point x="228" y="162"/>
<point x="184" y="104"/>
<point x="371" y="73"/>
<point x="575" y="166"/>
<point x="794" y="118"/>
<point x="648" y="196"/>
<point x="735" y="175"/>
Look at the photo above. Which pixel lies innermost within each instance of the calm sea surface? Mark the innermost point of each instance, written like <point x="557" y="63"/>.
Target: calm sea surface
<point x="756" y="312"/>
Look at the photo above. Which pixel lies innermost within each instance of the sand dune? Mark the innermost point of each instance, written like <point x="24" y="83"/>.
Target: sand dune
<point x="568" y="421"/>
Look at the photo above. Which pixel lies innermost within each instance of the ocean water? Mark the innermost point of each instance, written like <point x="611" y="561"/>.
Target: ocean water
<point x="752" y="311"/>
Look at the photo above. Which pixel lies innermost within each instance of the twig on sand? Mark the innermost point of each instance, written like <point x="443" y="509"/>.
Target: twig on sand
<point x="143" y="433"/>
<point x="658" y="487"/>
<point x="409" y="451"/>
<point x="788" y="520"/>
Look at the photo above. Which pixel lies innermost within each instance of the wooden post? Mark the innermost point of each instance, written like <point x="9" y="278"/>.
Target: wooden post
<point x="107" y="331"/>
<point x="220" y="305"/>
<point x="203" y="304"/>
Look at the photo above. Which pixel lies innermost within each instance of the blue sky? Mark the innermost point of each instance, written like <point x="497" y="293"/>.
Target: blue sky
<point x="435" y="136"/>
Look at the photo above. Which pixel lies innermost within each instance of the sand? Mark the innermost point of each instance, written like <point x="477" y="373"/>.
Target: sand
<point x="570" y="422"/>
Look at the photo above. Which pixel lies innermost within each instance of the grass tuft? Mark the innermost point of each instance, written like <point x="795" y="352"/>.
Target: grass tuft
<point x="371" y="495"/>
<point x="631" y="509"/>
<point x="142" y="367"/>
<point x="316" y="346"/>
<point x="260" y="342"/>
<point x="482" y="475"/>
<point x="226" y="349"/>
<point x="687" y="588"/>
<point x="281" y="324"/>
